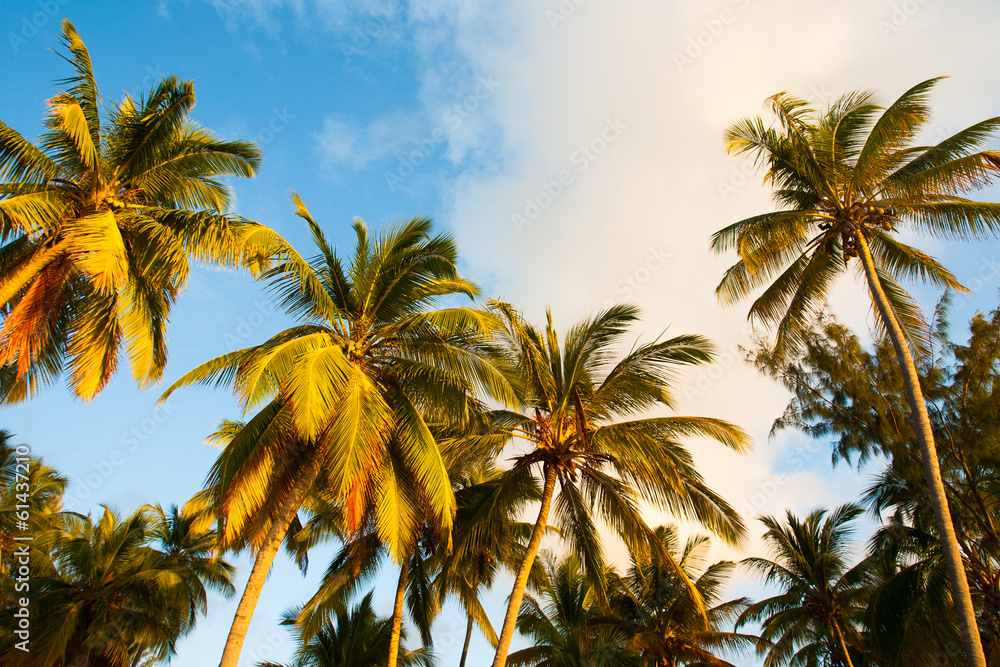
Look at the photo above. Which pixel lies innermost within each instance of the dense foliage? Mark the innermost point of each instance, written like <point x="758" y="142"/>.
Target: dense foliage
<point x="419" y="435"/>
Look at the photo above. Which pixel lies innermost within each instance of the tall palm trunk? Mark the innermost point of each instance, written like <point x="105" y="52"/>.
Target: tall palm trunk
<point x="521" y="582"/>
<point x="932" y="472"/>
<point x="262" y="565"/>
<point x="397" y="612"/>
<point x="843" y="644"/>
<point x="468" y="627"/>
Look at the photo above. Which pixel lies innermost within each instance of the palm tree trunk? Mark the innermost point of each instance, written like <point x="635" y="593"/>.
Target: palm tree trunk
<point x="397" y="612"/>
<point x="843" y="644"/>
<point x="521" y="582"/>
<point x="262" y="564"/>
<point x="468" y="640"/>
<point x="932" y="472"/>
<point x="468" y="627"/>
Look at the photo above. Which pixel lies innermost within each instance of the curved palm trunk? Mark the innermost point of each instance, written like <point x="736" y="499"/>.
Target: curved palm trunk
<point x="397" y="612"/>
<point x="521" y="582"/>
<point x="468" y="627"/>
<point x="843" y="644"/>
<point x="932" y="472"/>
<point x="262" y="564"/>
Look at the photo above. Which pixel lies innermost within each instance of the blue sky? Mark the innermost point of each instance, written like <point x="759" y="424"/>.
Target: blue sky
<point x="573" y="147"/>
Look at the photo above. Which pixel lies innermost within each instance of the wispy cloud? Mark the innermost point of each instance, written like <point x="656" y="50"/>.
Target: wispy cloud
<point x="435" y="132"/>
<point x="335" y="16"/>
<point x="357" y="146"/>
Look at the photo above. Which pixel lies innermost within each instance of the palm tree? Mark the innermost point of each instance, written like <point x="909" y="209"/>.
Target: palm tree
<point x="485" y="536"/>
<point x="98" y="223"/>
<point x="30" y="503"/>
<point x="488" y="538"/>
<point x="822" y="599"/>
<point x="580" y="431"/>
<point x="568" y="628"/>
<point x="848" y="181"/>
<point x="356" y="563"/>
<point x="356" y="637"/>
<point x="842" y="389"/>
<point x="665" y="627"/>
<point x="909" y="614"/>
<point x="112" y="600"/>
<point x="349" y="397"/>
<point x="186" y="536"/>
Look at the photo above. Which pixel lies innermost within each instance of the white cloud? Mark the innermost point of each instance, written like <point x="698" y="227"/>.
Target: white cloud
<point x="656" y="189"/>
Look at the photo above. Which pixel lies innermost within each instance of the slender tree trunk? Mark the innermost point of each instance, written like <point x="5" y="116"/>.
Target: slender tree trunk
<point x="262" y="564"/>
<point x="397" y="612"/>
<point x="521" y="582"/>
<point x="468" y="640"/>
<point x="932" y="472"/>
<point x="843" y="644"/>
<point x="468" y="627"/>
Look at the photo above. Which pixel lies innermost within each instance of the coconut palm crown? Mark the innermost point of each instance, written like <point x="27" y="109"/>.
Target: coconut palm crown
<point x="582" y="427"/>
<point x="817" y="613"/>
<point x="98" y="224"/>
<point x="847" y="180"/>
<point x="113" y="598"/>
<point x="347" y="398"/>
<point x="652" y="604"/>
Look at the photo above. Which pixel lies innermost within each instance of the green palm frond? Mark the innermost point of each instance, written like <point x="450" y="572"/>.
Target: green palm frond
<point x="599" y="462"/>
<point x="120" y="207"/>
<point x="845" y="175"/>
<point x="819" y="591"/>
<point x="896" y="127"/>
